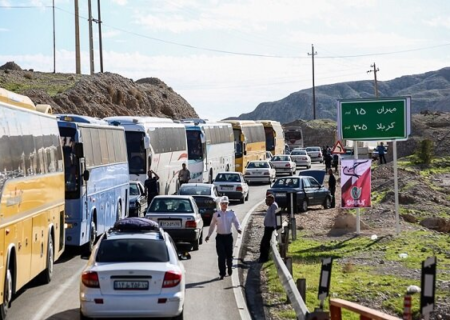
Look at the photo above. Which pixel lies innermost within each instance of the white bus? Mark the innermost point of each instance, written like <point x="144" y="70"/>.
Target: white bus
<point x="210" y="149"/>
<point x="154" y="143"/>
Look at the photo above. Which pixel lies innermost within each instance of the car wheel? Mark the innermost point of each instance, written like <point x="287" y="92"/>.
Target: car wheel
<point x="242" y="200"/>
<point x="83" y="317"/>
<point x="304" y="206"/>
<point x="196" y="244"/>
<point x="327" y="203"/>
<point x="248" y="195"/>
<point x="201" y="238"/>
<point x="7" y="294"/>
<point x="179" y="317"/>
<point x="46" y="276"/>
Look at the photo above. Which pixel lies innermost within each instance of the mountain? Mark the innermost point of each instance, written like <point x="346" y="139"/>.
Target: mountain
<point x="99" y="95"/>
<point x="429" y="91"/>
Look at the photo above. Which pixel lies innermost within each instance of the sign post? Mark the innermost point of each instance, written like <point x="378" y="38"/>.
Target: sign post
<point x="375" y="120"/>
<point x="428" y="287"/>
<point x="325" y="279"/>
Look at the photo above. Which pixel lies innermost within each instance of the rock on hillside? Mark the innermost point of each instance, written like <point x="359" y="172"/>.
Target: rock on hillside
<point x="99" y="95"/>
<point x="429" y="91"/>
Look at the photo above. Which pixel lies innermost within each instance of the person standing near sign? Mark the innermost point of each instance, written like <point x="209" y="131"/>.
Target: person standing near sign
<point x="270" y="224"/>
<point x="223" y="220"/>
<point x="381" y="153"/>
<point x="332" y="187"/>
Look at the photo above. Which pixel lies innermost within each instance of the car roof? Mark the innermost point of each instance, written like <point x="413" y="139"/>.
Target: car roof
<point x="174" y="197"/>
<point x="229" y="172"/>
<point x="264" y="160"/>
<point x="134" y="234"/>
<point x="190" y="185"/>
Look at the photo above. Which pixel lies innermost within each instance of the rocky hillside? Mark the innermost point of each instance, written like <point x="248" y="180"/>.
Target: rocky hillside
<point x="429" y="91"/>
<point x="99" y="95"/>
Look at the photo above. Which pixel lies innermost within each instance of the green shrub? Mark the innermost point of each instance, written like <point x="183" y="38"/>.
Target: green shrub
<point x="425" y="152"/>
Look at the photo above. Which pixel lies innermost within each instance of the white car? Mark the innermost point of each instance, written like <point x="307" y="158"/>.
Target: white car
<point x="260" y="171"/>
<point x="315" y="153"/>
<point x="179" y="216"/>
<point x="232" y="185"/>
<point x="283" y="164"/>
<point x="301" y="158"/>
<point x="133" y="271"/>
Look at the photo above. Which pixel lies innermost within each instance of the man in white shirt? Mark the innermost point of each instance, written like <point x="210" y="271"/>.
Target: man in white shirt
<point x="270" y="224"/>
<point x="223" y="220"/>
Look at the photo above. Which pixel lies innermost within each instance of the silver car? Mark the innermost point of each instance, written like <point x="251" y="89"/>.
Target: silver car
<point x="301" y="158"/>
<point x="179" y="216"/>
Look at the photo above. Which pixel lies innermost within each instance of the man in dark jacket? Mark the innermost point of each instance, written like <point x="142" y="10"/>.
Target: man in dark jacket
<point x="332" y="187"/>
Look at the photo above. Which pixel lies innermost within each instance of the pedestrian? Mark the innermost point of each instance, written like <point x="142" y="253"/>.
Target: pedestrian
<point x="335" y="162"/>
<point x="151" y="186"/>
<point x="332" y="187"/>
<point x="184" y="175"/>
<point x="223" y="219"/>
<point x="327" y="160"/>
<point x="270" y="224"/>
<point x="381" y="153"/>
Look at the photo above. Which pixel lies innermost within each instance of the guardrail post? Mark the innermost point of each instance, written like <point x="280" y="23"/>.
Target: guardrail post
<point x="288" y="263"/>
<point x="301" y="286"/>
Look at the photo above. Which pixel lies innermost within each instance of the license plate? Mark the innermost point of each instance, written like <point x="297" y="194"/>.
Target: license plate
<point x="170" y="223"/>
<point x="281" y="194"/>
<point x="130" y="285"/>
<point x="228" y="188"/>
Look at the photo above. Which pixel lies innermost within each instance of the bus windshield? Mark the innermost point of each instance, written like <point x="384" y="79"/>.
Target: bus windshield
<point x="71" y="163"/>
<point x="270" y="139"/>
<point x="136" y="152"/>
<point x="194" y="144"/>
<point x="293" y="135"/>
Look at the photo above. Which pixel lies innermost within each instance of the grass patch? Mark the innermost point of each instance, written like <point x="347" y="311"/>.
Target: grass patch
<point x="360" y="283"/>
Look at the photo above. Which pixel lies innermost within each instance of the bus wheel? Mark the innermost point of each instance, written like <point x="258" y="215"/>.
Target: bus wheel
<point x="46" y="275"/>
<point x="92" y="238"/>
<point x="7" y="294"/>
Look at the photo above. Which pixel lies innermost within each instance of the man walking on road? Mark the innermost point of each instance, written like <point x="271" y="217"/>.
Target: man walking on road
<point x="270" y="224"/>
<point x="151" y="186"/>
<point x="184" y="175"/>
<point x="332" y="187"/>
<point x="223" y="220"/>
<point x="381" y="153"/>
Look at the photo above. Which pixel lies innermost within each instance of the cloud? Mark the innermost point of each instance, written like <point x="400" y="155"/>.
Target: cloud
<point x="439" y="22"/>
<point x="120" y="2"/>
<point x="4" y="30"/>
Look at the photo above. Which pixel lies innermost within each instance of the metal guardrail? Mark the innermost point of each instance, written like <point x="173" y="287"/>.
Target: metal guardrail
<point x="288" y="282"/>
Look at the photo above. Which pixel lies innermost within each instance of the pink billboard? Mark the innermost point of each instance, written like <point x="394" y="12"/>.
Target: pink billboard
<point x="355" y="183"/>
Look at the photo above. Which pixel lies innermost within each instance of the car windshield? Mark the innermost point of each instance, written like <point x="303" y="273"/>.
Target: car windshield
<point x="312" y="149"/>
<point x="298" y="153"/>
<point x="286" y="183"/>
<point x="228" y="177"/>
<point x="132" y="250"/>
<point x="134" y="189"/>
<point x="189" y="190"/>
<point x="280" y="158"/>
<point x="257" y="165"/>
<point x="170" y="205"/>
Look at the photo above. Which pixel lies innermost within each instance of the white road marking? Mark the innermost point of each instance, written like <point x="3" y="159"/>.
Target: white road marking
<point x="57" y="294"/>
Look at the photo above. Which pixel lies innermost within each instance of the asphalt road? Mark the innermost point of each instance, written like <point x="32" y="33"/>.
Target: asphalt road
<point x="207" y="297"/>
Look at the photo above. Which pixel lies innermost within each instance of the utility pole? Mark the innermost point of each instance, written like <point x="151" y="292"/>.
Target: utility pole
<point x="54" y="39"/>
<point x="77" y="40"/>
<point x="375" y="70"/>
<point x="313" y="87"/>
<point x="99" y="22"/>
<point x="91" y="40"/>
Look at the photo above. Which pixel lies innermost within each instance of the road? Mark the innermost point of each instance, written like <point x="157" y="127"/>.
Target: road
<point x="205" y="293"/>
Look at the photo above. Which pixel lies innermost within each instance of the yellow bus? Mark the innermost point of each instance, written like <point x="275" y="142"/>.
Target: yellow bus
<point x="31" y="194"/>
<point x="249" y="142"/>
<point x="274" y="136"/>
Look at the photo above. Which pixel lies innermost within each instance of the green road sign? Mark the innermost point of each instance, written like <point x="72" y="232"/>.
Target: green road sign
<point x="381" y="119"/>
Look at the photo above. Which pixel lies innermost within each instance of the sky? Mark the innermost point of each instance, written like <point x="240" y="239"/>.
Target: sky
<point x="226" y="57"/>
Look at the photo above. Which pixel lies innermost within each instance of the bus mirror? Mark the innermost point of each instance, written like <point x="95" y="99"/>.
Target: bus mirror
<point x="79" y="150"/>
<point x="86" y="175"/>
<point x="146" y="142"/>
<point x="245" y="152"/>
<point x="202" y="138"/>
